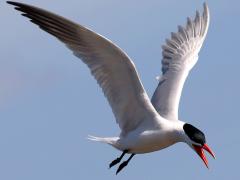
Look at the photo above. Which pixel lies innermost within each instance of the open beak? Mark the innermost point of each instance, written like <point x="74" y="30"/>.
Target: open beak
<point x="200" y="152"/>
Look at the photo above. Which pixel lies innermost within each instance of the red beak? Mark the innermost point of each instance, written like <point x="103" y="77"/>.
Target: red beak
<point x="200" y="152"/>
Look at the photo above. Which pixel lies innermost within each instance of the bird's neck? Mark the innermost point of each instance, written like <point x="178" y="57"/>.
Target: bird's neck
<point x="175" y="130"/>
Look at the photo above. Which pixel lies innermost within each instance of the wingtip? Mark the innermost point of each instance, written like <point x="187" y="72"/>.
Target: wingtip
<point x="205" y="5"/>
<point x="12" y="3"/>
<point x="17" y="4"/>
<point x="206" y="14"/>
<point x="206" y="9"/>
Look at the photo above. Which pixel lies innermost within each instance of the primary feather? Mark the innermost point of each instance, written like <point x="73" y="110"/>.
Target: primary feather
<point x="111" y="67"/>
<point x="180" y="54"/>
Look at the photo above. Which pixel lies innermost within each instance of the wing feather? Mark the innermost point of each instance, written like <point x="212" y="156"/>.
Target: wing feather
<point x="111" y="67"/>
<point x="180" y="54"/>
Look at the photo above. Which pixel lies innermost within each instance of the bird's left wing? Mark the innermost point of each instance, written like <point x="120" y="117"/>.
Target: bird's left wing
<point x="111" y="67"/>
<point x="180" y="54"/>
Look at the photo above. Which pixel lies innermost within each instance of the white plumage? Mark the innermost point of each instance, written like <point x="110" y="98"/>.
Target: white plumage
<point x="180" y="54"/>
<point x="146" y="125"/>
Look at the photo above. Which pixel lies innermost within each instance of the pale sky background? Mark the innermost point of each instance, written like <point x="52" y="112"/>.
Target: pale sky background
<point x="49" y="103"/>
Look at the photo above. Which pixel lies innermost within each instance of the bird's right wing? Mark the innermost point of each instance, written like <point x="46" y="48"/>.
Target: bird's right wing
<point x="180" y="54"/>
<point x="111" y="67"/>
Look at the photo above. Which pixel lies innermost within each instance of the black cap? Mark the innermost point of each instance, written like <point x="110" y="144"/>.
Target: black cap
<point x="194" y="134"/>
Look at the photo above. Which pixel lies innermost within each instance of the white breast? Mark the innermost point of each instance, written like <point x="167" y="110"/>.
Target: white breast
<point x="150" y="140"/>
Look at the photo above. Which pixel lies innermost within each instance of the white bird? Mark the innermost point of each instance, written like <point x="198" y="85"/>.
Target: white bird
<point x="146" y="126"/>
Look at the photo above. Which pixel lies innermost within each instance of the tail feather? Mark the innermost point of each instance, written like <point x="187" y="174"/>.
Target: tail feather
<point x="108" y="140"/>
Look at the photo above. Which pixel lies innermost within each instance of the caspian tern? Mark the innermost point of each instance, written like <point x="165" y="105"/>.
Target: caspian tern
<point x="146" y="126"/>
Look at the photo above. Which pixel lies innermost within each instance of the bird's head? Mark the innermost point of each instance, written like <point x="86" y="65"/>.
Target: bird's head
<point x="196" y="140"/>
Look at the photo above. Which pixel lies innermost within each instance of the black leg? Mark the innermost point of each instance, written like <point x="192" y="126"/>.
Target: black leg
<point x="116" y="161"/>
<point x="125" y="163"/>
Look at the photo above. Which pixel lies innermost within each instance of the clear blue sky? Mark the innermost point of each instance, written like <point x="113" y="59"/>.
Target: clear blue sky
<point x="49" y="103"/>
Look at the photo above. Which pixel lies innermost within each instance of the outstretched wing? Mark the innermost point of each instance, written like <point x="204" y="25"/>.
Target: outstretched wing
<point x="180" y="54"/>
<point x="111" y="67"/>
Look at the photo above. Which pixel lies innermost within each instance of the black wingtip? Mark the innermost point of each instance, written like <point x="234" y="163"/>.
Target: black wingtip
<point x="16" y="4"/>
<point x="12" y="3"/>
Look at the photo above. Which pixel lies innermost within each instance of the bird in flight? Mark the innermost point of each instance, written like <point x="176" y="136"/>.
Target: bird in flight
<point x="146" y="125"/>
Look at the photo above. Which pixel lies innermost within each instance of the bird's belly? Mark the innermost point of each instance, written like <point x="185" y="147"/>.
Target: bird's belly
<point x="147" y="142"/>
